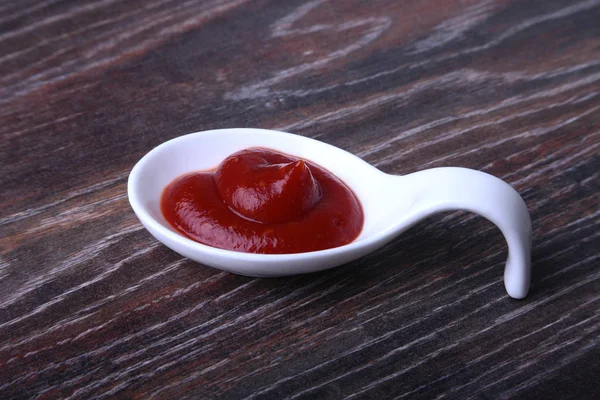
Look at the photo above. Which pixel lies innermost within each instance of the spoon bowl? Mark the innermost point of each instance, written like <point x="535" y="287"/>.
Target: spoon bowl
<point x="391" y="203"/>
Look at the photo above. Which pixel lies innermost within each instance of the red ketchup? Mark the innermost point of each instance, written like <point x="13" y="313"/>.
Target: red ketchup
<point x="263" y="201"/>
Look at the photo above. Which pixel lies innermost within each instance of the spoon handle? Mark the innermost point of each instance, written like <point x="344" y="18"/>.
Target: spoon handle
<point x="445" y="189"/>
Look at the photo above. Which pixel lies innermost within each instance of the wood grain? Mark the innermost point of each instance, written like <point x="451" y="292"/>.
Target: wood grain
<point x="91" y="306"/>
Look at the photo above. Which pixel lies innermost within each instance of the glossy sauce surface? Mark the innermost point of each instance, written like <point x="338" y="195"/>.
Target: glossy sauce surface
<point x="262" y="201"/>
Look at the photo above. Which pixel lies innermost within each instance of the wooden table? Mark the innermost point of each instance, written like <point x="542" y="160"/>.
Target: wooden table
<point x="93" y="307"/>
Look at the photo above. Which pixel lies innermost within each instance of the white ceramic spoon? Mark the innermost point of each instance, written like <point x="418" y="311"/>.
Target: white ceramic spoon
<point x="391" y="203"/>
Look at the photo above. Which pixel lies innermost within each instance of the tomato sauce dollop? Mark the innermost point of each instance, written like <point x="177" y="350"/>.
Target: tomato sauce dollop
<point x="262" y="201"/>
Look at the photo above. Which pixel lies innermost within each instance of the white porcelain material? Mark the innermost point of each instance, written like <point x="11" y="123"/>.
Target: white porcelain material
<point x="391" y="203"/>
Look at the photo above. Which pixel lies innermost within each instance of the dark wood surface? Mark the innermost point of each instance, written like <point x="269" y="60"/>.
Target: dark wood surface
<point x="93" y="307"/>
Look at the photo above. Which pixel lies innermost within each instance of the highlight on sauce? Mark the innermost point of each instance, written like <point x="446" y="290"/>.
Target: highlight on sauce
<point x="262" y="201"/>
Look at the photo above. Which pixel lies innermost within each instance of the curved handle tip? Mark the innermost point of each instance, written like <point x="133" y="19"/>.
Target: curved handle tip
<point x="445" y="189"/>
